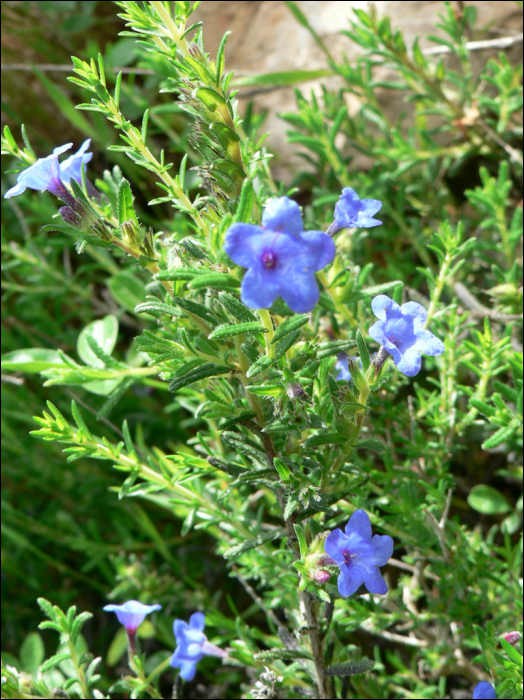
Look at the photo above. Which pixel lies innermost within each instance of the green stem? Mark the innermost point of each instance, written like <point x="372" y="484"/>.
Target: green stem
<point x="340" y="307"/>
<point x="265" y="317"/>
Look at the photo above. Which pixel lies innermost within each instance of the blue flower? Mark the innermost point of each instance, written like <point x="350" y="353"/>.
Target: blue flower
<point x="72" y="167"/>
<point x="192" y="645"/>
<point x="401" y="331"/>
<point x="132" y="613"/>
<point x="351" y="211"/>
<point x="484" y="690"/>
<point x="359" y="555"/>
<point x="49" y="174"/>
<point x="280" y="256"/>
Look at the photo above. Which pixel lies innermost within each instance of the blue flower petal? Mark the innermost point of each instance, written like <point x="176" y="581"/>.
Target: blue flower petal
<point x="382" y="547"/>
<point x="417" y="313"/>
<point x="484" y="691"/>
<point x="333" y="544"/>
<point x="429" y="344"/>
<point x="239" y="241"/>
<point x="283" y="215"/>
<point x="410" y="362"/>
<point x="359" y="524"/>
<point x="259" y="291"/>
<point x="381" y="304"/>
<point x="348" y="582"/>
<point x="72" y="166"/>
<point x="374" y="582"/>
<point x="197" y="621"/>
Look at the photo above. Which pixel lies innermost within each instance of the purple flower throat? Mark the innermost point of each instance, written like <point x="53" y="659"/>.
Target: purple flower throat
<point x="269" y="260"/>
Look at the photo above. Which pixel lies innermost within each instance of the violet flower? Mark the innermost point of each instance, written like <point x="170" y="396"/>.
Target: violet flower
<point x="359" y="555"/>
<point x="281" y="258"/>
<point x="353" y="212"/>
<point x="401" y="331"/>
<point x="132" y="613"/>
<point x="192" y="645"/>
<point x="49" y="174"/>
<point x="484" y="690"/>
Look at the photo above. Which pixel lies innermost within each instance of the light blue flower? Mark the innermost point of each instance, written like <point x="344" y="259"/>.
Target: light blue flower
<point x="192" y="645"/>
<point x="484" y="691"/>
<point x="72" y="167"/>
<point x="359" y="555"/>
<point x="49" y="174"/>
<point x="351" y="211"/>
<point x="281" y="258"/>
<point x="401" y="331"/>
<point x="132" y="613"/>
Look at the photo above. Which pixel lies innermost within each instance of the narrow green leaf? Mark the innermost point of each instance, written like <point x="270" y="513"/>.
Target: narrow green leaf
<point x="259" y="366"/>
<point x="126" y="211"/>
<point x="289" y="325"/>
<point x="236" y="308"/>
<point x="227" y="330"/>
<point x="208" y="369"/>
<point x="301" y="539"/>
<point x="239" y="549"/>
<point x="370" y="444"/>
<point x="501" y="435"/>
<point x="350" y="668"/>
<point x="214" y="280"/>
<point x="362" y="351"/>
<point x="272" y="390"/>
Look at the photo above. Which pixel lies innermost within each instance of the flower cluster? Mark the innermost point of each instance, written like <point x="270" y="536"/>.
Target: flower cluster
<point x="401" y="332"/>
<point x="281" y="258"/>
<point x="48" y="174"/>
<point x="359" y="555"/>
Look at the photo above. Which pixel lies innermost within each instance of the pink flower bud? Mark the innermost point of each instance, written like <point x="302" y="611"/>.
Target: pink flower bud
<point x="321" y="576"/>
<point x="512" y="638"/>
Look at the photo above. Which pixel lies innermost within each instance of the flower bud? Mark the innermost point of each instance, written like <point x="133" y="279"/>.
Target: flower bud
<point x="512" y="638"/>
<point x="321" y="576"/>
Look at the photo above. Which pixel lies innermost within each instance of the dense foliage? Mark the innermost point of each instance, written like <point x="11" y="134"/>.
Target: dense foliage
<point x="282" y="444"/>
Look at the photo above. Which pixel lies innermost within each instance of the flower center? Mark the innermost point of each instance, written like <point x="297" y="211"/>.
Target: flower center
<point x="269" y="260"/>
<point x="347" y="555"/>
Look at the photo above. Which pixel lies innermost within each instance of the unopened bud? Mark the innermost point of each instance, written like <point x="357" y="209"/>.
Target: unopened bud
<point x="321" y="576"/>
<point x="295" y="391"/>
<point x="512" y="638"/>
<point x="70" y="217"/>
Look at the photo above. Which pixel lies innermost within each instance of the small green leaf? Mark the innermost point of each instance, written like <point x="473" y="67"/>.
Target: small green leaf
<point x="259" y="366"/>
<point x="289" y="325"/>
<point x="227" y="330"/>
<point x="370" y="444"/>
<point x="238" y="549"/>
<point x="512" y="653"/>
<point x="487" y="500"/>
<point x="291" y="77"/>
<point x="31" y="360"/>
<point x="104" y="332"/>
<point x="32" y="652"/>
<point x="183" y="378"/>
<point x="350" y="668"/>
<point x="214" y="280"/>
<point x="127" y="290"/>
<point x="272" y="390"/>
<point x="362" y="351"/>
<point x="126" y="211"/>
